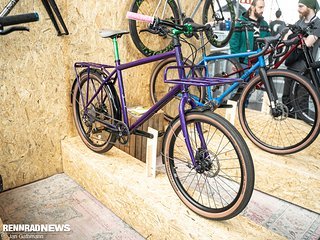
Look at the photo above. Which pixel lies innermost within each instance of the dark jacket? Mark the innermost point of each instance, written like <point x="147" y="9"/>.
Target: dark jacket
<point x="238" y="40"/>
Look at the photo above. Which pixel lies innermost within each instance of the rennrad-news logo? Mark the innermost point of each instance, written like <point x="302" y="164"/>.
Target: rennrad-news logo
<point x="36" y="228"/>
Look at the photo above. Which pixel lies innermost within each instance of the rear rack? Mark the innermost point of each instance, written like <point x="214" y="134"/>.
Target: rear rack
<point x="91" y="65"/>
<point x="192" y="79"/>
<point x="87" y="66"/>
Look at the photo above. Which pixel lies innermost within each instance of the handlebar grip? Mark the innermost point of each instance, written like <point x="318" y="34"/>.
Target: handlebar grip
<point x="17" y="19"/>
<point x="140" y="17"/>
<point x="292" y="41"/>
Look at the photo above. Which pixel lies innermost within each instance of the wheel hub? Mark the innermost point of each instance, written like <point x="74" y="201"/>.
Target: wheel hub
<point x="89" y="117"/>
<point x="207" y="163"/>
<point x="280" y="112"/>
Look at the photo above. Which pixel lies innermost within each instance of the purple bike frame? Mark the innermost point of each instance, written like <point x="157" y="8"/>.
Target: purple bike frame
<point x="117" y="69"/>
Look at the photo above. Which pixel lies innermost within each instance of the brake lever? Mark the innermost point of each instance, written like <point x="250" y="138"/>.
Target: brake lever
<point x="12" y="29"/>
<point x="158" y="31"/>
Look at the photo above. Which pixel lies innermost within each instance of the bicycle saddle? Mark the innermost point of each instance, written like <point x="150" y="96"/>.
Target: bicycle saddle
<point x="108" y="33"/>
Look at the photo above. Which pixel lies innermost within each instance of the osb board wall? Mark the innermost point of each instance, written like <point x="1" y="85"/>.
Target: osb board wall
<point x="35" y="79"/>
<point x="33" y="101"/>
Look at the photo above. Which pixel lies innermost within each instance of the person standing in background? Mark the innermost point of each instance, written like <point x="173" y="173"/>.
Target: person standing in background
<point x="308" y="19"/>
<point x="258" y="28"/>
<point x="277" y="25"/>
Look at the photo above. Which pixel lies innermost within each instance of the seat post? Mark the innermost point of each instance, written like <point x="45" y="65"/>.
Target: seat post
<point x="115" y="48"/>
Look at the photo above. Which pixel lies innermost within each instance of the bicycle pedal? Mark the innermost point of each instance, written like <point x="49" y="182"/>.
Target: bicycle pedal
<point x="161" y="133"/>
<point x="142" y="133"/>
<point x="225" y="106"/>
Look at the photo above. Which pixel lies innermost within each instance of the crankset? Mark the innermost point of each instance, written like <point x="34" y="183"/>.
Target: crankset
<point x="123" y="133"/>
<point x="109" y="124"/>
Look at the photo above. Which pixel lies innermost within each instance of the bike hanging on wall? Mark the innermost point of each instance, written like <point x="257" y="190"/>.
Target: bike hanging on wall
<point x="52" y="10"/>
<point x="8" y="21"/>
<point x="215" y="12"/>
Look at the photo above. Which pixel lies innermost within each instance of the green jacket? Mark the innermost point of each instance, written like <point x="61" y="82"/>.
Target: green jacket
<point x="238" y="40"/>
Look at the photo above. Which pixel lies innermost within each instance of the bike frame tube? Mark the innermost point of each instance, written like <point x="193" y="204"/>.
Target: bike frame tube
<point x="245" y="76"/>
<point x="156" y="107"/>
<point x="119" y="67"/>
<point x="7" y="9"/>
<point x="118" y="70"/>
<point x="309" y="59"/>
<point x="196" y="8"/>
<point x="180" y="9"/>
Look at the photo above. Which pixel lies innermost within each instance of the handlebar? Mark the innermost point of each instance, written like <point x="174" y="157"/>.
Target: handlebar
<point x="17" y="19"/>
<point x="140" y="17"/>
<point x="291" y="41"/>
<point x="275" y="41"/>
<point x="298" y="30"/>
<point x="267" y="41"/>
<point x="156" y="22"/>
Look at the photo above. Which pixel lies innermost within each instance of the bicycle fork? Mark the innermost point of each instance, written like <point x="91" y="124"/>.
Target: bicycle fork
<point x="270" y="89"/>
<point x="187" y="100"/>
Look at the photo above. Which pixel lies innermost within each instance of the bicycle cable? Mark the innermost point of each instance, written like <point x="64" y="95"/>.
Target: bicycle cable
<point x="192" y="48"/>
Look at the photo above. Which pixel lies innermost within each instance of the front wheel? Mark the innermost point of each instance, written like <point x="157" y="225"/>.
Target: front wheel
<point x="220" y="185"/>
<point x="216" y="13"/>
<point x="281" y="131"/>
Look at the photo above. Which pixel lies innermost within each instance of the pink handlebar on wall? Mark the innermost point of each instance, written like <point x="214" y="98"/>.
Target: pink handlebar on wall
<point x="140" y="17"/>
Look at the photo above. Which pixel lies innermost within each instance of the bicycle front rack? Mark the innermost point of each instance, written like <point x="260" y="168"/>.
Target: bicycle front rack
<point x="193" y="79"/>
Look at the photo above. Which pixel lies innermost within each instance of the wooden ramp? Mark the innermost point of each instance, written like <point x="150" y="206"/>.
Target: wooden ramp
<point x="294" y="177"/>
<point x="149" y="205"/>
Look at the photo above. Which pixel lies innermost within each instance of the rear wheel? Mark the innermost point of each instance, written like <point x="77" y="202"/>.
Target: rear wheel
<point x="103" y="109"/>
<point x="224" y="67"/>
<point x="220" y="185"/>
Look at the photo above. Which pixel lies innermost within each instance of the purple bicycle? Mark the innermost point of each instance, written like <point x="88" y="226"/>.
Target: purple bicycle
<point x="207" y="161"/>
